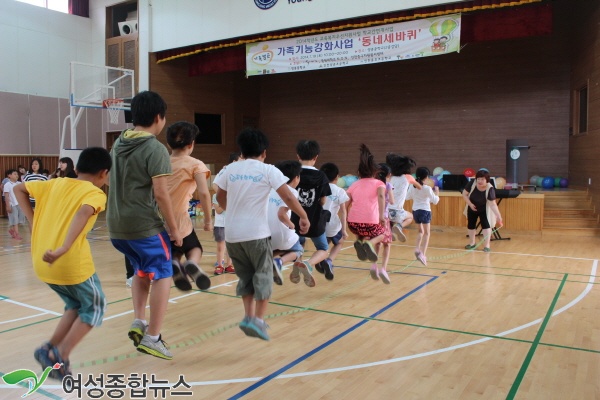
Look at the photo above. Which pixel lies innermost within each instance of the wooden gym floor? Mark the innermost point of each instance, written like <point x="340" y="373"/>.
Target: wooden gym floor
<point x="520" y="322"/>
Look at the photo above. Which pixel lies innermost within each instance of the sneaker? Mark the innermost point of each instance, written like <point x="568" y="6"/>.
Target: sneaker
<point x="49" y="356"/>
<point x="137" y="330"/>
<point x="244" y="325"/>
<point x="295" y="275"/>
<point x="487" y="249"/>
<point x="385" y="278"/>
<point x="306" y="269"/>
<point x="398" y="234"/>
<point x="421" y="257"/>
<point x="230" y="269"/>
<point x="320" y="267"/>
<point x="129" y="281"/>
<point x="328" y="269"/>
<point x="470" y="246"/>
<point x="200" y="277"/>
<point x="277" y="276"/>
<point x="370" y="251"/>
<point x="374" y="273"/>
<point x="258" y="329"/>
<point x="180" y="278"/>
<point x="360" y="250"/>
<point x="156" y="349"/>
<point x="219" y="270"/>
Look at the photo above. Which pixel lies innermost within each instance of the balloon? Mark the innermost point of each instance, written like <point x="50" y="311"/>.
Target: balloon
<point x="533" y="179"/>
<point x="440" y="180"/>
<point x="350" y="179"/>
<point x="446" y="172"/>
<point x="435" y="181"/>
<point x="442" y="28"/>
<point x="429" y="182"/>
<point x="469" y="172"/>
<point x="539" y="180"/>
<point x="557" y="181"/>
<point x="500" y="182"/>
<point x="341" y="182"/>
<point x="438" y="170"/>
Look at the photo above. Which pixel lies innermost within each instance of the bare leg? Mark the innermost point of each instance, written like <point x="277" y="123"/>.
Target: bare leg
<point x="194" y="255"/>
<point x="77" y="332"/>
<point x="63" y="327"/>
<point x="425" y="240"/>
<point x="220" y="252"/>
<point x="261" y="308"/>
<point x="385" y="256"/>
<point x="487" y="233"/>
<point x="408" y="220"/>
<point x="159" y="298"/>
<point x="249" y="308"/>
<point x="377" y="239"/>
<point x="335" y="250"/>
<point x="317" y="257"/>
<point x="419" y="237"/>
<point x="471" y="237"/>
<point x="140" y="288"/>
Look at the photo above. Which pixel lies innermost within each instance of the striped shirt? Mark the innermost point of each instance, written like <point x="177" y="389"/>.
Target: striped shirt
<point x="30" y="177"/>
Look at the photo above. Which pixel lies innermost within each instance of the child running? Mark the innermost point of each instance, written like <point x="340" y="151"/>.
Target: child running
<point x="243" y="191"/>
<point x="189" y="174"/>
<point x="61" y="253"/>
<point x="367" y="208"/>
<point x="422" y="200"/>
<point x="336" y="229"/>
<point x="384" y="175"/>
<point x="284" y="240"/>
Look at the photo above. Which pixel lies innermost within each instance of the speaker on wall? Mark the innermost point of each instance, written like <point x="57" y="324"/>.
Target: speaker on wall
<point x="127" y="27"/>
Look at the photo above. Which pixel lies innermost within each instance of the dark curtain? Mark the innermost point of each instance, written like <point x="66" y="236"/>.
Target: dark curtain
<point x="80" y="8"/>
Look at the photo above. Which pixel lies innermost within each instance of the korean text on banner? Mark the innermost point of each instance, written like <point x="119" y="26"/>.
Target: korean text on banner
<point x="406" y="40"/>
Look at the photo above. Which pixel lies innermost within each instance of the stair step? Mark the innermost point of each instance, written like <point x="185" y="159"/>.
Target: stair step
<point x="570" y="223"/>
<point x="566" y="213"/>
<point x="572" y="231"/>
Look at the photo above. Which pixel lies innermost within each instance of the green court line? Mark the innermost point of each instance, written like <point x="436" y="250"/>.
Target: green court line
<point x="515" y="387"/>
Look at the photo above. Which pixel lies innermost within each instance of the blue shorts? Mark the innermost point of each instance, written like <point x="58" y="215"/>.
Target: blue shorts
<point x="149" y="256"/>
<point x="296" y="248"/>
<point x="422" y="216"/>
<point x="85" y="297"/>
<point x="335" y="239"/>
<point x="320" y="242"/>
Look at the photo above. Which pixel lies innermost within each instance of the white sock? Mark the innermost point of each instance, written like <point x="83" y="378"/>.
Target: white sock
<point x="154" y="338"/>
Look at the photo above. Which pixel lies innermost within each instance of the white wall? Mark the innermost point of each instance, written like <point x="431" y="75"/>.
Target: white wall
<point x="189" y="22"/>
<point x="36" y="46"/>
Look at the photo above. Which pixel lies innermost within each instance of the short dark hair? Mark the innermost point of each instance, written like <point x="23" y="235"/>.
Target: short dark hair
<point x="234" y="156"/>
<point x="145" y="106"/>
<point x="181" y="134"/>
<point x="383" y="172"/>
<point x="399" y="164"/>
<point x="10" y="171"/>
<point x="289" y="168"/>
<point x="307" y="149"/>
<point x="483" y="174"/>
<point x="252" y="142"/>
<point x="93" y="160"/>
<point x="330" y="170"/>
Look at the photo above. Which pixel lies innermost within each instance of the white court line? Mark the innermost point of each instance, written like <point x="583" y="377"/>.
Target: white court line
<point x="21" y="319"/>
<point x="32" y="307"/>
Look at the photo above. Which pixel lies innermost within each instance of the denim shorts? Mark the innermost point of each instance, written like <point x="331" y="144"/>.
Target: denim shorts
<point x="86" y="297"/>
<point x="320" y="242"/>
<point x="335" y="239"/>
<point x="296" y="248"/>
<point x="422" y="216"/>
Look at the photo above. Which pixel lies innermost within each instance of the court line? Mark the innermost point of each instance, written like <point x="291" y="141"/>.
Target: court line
<point x="21" y="319"/>
<point x="515" y="386"/>
<point x="326" y="344"/>
<point x="6" y="299"/>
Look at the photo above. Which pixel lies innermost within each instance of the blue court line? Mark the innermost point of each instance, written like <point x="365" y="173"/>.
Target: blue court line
<point x="326" y="344"/>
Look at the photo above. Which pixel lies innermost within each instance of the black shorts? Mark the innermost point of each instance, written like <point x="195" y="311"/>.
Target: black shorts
<point x="190" y="242"/>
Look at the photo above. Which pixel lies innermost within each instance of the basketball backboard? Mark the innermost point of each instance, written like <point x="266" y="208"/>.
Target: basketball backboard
<point x="91" y="85"/>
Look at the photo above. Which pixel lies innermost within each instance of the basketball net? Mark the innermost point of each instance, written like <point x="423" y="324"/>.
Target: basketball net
<point x="114" y="106"/>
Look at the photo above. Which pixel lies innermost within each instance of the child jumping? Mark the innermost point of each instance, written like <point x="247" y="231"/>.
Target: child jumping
<point x="66" y="210"/>
<point x="422" y="200"/>
<point x="384" y="175"/>
<point x="366" y="215"/>
<point x="284" y="240"/>
<point x="336" y="229"/>
<point x="401" y="180"/>
<point x="243" y="191"/>
<point x="189" y="174"/>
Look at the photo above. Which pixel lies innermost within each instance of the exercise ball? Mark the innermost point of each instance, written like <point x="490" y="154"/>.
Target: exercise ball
<point x="446" y="172"/>
<point x="500" y="182"/>
<point x="469" y="172"/>
<point x="350" y="179"/>
<point x="548" y="182"/>
<point x="533" y="179"/>
<point x="539" y="180"/>
<point x="564" y="182"/>
<point x="557" y="181"/>
<point x="435" y="181"/>
<point x="440" y="181"/>
<point x="437" y="170"/>
<point x="341" y="182"/>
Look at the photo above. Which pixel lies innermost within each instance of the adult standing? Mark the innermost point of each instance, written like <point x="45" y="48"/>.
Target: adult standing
<point x="480" y="196"/>
<point x="35" y="174"/>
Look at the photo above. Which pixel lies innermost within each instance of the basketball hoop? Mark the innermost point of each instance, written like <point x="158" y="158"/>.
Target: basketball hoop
<point x="114" y="106"/>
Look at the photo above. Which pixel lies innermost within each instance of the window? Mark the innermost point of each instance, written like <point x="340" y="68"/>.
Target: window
<point x="210" y="128"/>
<point x="580" y="111"/>
<point x="56" y="5"/>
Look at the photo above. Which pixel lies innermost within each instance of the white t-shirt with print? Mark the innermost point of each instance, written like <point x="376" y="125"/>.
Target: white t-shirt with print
<point x="282" y="237"/>
<point x="8" y="191"/>
<point x="248" y="184"/>
<point x="333" y="202"/>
